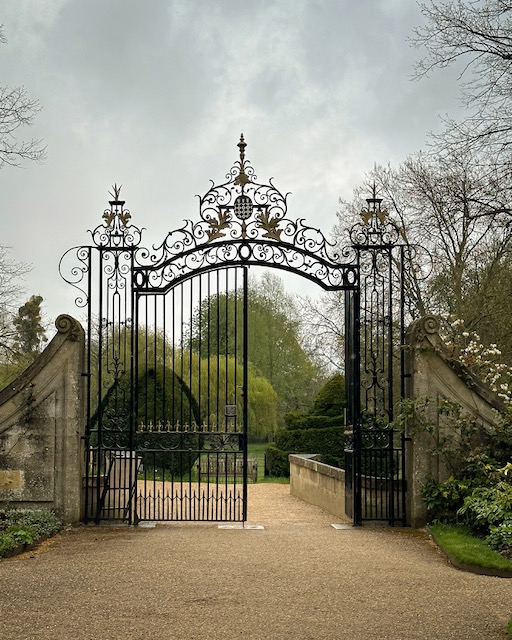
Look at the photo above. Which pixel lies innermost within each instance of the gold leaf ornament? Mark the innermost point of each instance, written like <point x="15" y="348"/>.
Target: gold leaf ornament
<point x="217" y="226"/>
<point x="270" y="225"/>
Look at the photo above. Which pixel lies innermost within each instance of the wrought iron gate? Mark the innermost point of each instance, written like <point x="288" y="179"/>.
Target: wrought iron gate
<point x="167" y="358"/>
<point x="190" y="382"/>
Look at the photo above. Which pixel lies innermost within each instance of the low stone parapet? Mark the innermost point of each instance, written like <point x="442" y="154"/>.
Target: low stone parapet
<point x="317" y="483"/>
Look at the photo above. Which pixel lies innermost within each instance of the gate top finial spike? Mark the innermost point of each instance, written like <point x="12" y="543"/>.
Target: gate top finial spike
<point x="241" y="145"/>
<point x="117" y="190"/>
<point x="374" y="200"/>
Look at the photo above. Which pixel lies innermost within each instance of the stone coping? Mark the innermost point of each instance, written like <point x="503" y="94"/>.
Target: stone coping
<point x="311" y="461"/>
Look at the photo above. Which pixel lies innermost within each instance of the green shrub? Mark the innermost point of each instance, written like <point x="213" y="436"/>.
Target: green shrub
<point x="41" y="523"/>
<point x="276" y="462"/>
<point x="23" y="526"/>
<point x="163" y="399"/>
<point x="333" y="461"/>
<point x="487" y="506"/>
<point x="444" y="499"/>
<point x="13" y="537"/>
<point x="500" y="536"/>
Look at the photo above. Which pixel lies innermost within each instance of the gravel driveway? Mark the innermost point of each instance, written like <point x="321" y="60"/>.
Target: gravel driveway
<point x="298" y="579"/>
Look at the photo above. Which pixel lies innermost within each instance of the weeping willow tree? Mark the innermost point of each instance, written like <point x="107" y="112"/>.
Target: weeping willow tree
<point x="216" y="382"/>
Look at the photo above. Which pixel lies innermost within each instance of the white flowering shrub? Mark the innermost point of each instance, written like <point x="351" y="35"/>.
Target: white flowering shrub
<point x="483" y="361"/>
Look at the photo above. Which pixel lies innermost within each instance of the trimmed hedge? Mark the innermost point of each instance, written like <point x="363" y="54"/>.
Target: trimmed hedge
<point x="320" y="431"/>
<point x="329" y="443"/>
<point x="163" y="397"/>
<point x="276" y="462"/>
<point x="330" y="400"/>
<point x="296" y="420"/>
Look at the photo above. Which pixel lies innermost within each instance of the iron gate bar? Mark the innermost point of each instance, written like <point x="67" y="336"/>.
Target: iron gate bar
<point x="245" y="389"/>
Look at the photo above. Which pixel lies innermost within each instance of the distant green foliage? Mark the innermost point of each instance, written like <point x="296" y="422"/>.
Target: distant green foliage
<point x="29" y="328"/>
<point x="217" y="380"/>
<point x="274" y="345"/>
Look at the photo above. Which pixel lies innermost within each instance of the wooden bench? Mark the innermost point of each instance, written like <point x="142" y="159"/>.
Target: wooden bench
<point x="211" y="466"/>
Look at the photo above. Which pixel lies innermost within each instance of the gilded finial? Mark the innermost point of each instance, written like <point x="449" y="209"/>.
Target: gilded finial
<point x="242" y="178"/>
<point x="241" y="145"/>
<point x="116" y="208"/>
<point x="117" y="190"/>
<point x="374" y="210"/>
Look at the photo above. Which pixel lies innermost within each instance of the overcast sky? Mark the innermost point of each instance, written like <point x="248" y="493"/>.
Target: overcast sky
<point x="153" y="95"/>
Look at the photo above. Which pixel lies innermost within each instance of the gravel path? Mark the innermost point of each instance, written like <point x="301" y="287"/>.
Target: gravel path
<point x="298" y="579"/>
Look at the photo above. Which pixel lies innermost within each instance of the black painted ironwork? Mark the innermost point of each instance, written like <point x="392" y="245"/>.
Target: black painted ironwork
<point x="167" y="360"/>
<point x="375" y="452"/>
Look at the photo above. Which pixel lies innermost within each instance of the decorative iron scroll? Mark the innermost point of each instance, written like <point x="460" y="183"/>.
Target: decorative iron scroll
<point x="117" y="240"/>
<point x="244" y="222"/>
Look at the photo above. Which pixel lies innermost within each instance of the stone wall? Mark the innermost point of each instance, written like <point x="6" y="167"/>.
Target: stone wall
<point x="318" y="484"/>
<point x="432" y="373"/>
<point x="41" y="424"/>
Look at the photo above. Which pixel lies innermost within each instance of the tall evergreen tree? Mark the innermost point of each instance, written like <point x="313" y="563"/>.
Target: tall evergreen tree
<point x="29" y="328"/>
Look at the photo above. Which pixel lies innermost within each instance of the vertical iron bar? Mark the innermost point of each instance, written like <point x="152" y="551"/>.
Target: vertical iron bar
<point x="99" y="493"/>
<point x="391" y="473"/>
<point x="356" y="330"/>
<point x="402" y="381"/>
<point x="245" y="387"/>
<point x="89" y="484"/>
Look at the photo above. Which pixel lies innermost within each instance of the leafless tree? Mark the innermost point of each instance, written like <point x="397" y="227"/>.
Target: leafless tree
<point x="17" y="110"/>
<point x="11" y="291"/>
<point x="456" y="213"/>
<point x="476" y="36"/>
<point x="323" y="325"/>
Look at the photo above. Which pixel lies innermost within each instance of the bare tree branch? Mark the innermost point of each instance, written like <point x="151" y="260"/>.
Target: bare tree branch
<point x="17" y="110"/>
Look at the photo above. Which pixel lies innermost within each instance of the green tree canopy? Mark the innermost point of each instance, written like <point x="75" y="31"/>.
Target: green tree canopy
<point x="275" y="344"/>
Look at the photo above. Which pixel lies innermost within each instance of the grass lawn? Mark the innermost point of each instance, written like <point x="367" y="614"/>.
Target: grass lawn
<point x="462" y="547"/>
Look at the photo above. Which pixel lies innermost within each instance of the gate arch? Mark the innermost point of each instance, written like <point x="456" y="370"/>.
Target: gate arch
<point x="159" y="446"/>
